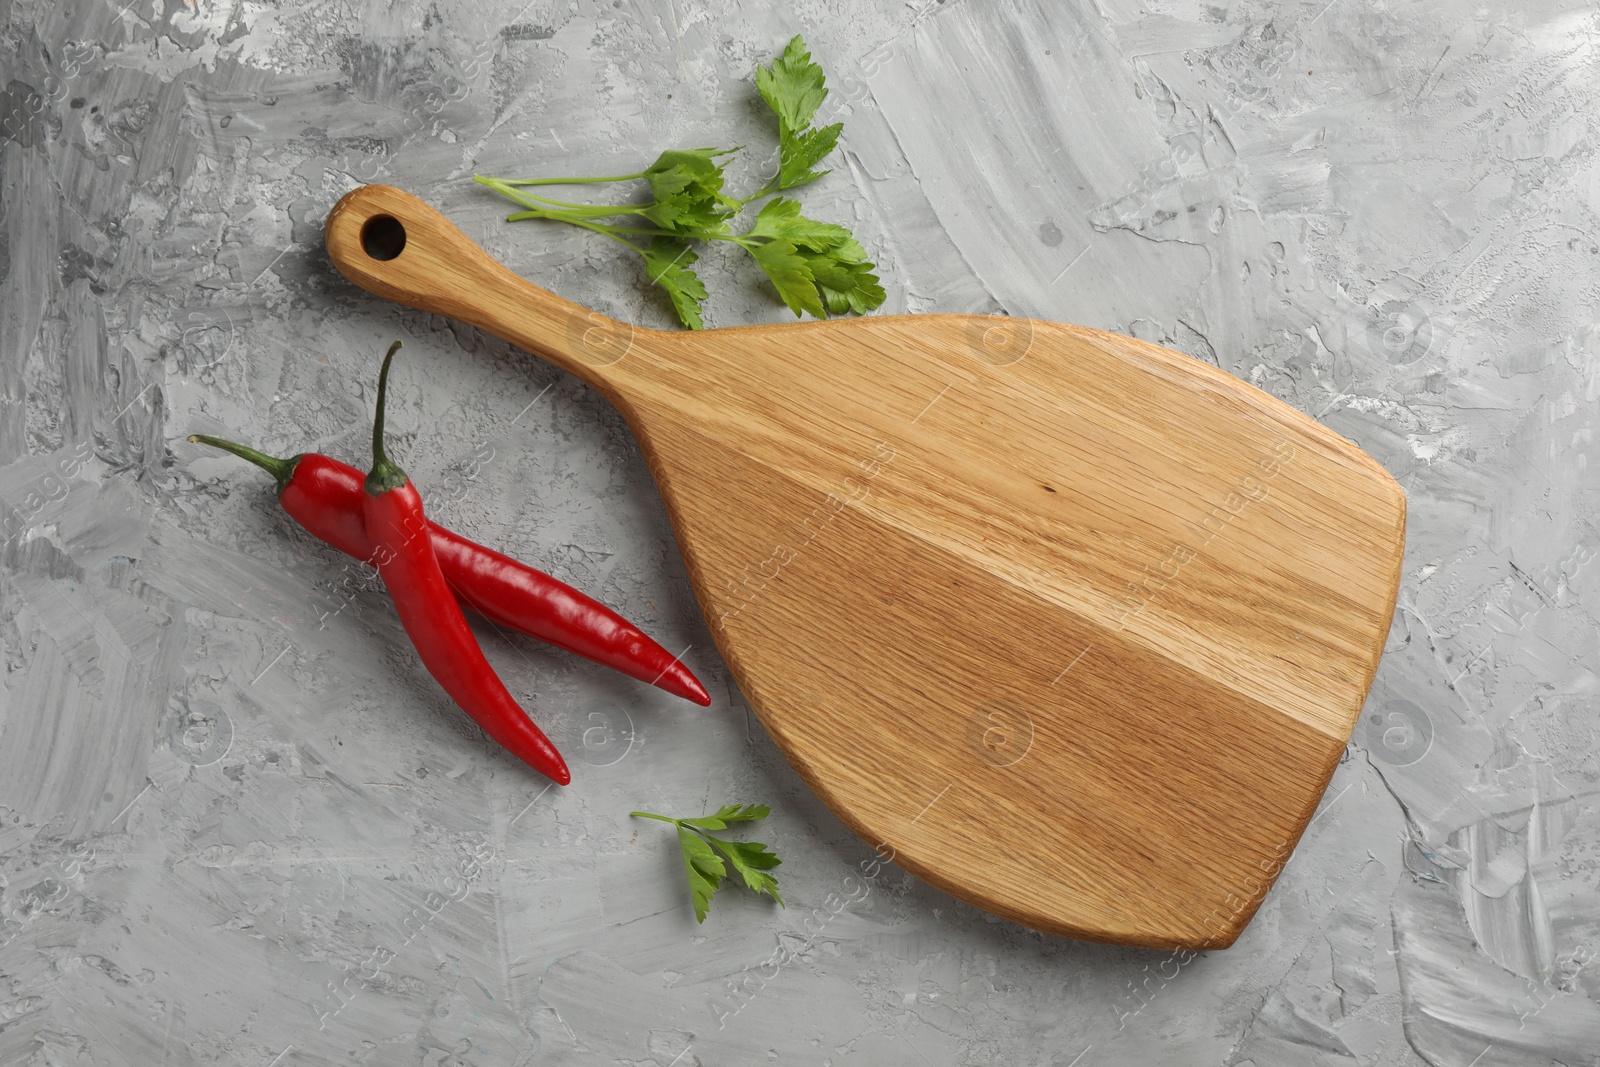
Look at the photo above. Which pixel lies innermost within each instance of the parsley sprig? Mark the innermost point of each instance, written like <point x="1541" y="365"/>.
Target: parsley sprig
<point x="818" y="268"/>
<point x="751" y="860"/>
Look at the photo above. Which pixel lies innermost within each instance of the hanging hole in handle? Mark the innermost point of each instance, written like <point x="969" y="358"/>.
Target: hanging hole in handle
<point x="383" y="237"/>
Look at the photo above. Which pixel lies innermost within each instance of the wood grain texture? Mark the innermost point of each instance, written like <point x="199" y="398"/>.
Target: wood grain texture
<point x="1077" y="627"/>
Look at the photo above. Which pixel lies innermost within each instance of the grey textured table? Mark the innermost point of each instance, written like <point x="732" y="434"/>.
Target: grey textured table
<point x="239" y="825"/>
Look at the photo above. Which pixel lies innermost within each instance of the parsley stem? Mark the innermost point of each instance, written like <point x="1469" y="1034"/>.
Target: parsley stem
<point x="652" y="815"/>
<point x="576" y="211"/>
<point x="766" y="190"/>
<point x="555" y="181"/>
<point x="613" y="231"/>
<point x="574" y="203"/>
<point x="607" y="231"/>
<point x="571" y="210"/>
<point x="577" y="220"/>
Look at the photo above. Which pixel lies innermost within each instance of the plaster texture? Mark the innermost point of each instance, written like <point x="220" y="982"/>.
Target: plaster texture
<point x="239" y="825"/>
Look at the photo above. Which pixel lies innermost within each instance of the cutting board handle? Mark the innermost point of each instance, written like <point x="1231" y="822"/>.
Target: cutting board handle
<point x="395" y="246"/>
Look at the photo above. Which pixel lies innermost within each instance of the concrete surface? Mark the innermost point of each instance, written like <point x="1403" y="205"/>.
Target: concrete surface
<point x="238" y="825"/>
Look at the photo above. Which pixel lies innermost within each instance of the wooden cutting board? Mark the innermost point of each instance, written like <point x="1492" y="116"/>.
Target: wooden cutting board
<point x="1074" y="627"/>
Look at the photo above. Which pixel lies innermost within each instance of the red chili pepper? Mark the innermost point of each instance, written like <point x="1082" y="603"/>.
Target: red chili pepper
<point x="324" y="496"/>
<point x="404" y="555"/>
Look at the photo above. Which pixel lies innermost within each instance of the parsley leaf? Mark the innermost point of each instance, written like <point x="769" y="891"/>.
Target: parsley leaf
<point x="730" y="813"/>
<point x="845" y="278"/>
<point x="687" y="185"/>
<point x="793" y="88"/>
<point x="781" y="218"/>
<point x="752" y="860"/>
<point x="799" y="154"/>
<point x="667" y="261"/>
<point x="818" y="268"/>
<point x="706" y="870"/>
<point x="790" y="274"/>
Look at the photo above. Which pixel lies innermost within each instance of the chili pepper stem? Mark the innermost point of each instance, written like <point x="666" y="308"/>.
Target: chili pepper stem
<point x="281" y="469"/>
<point x="385" y="475"/>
